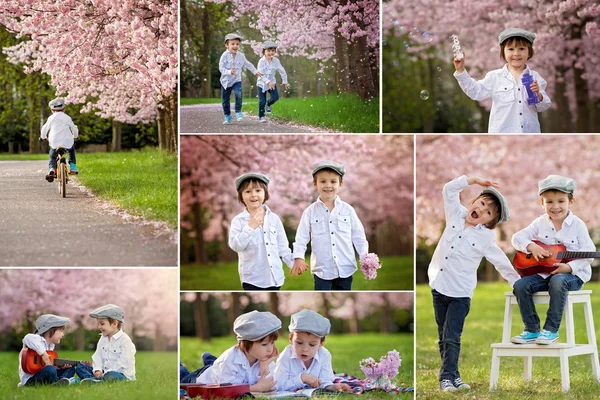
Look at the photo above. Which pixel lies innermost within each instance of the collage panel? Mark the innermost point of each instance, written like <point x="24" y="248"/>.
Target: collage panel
<point x="315" y="193"/>
<point x="323" y="344"/>
<point x="285" y="67"/>
<point x="93" y="333"/>
<point x="540" y="236"/>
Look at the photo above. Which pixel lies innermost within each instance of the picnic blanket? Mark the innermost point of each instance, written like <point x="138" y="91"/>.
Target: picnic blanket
<point x="362" y="385"/>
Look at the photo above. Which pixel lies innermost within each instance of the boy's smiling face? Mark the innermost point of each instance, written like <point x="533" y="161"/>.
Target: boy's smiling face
<point x="305" y="345"/>
<point x="233" y="45"/>
<point x="106" y="328"/>
<point x="481" y="211"/>
<point x="269" y="53"/>
<point x="328" y="184"/>
<point x="556" y="204"/>
<point x="253" y="196"/>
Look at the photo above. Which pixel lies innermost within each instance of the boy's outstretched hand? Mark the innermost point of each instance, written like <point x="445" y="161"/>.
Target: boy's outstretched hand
<point x="286" y="85"/>
<point x="482" y="182"/>
<point x="340" y="387"/>
<point x="459" y="65"/>
<point x="258" y="74"/>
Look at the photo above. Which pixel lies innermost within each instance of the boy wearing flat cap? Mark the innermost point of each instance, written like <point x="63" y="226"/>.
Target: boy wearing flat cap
<point x="251" y="360"/>
<point x="231" y="65"/>
<point x="305" y="363"/>
<point x="334" y="230"/>
<point x="114" y="359"/>
<point x="49" y="330"/>
<point x="257" y="235"/>
<point x="468" y="237"/>
<point x="60" y="132"/>
<point x="268" y="65"/>
<point x="557" y="225"/>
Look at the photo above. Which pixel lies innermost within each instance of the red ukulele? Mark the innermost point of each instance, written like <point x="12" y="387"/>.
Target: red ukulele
<point x="31" y="361"/>
<point x="215" y="391"/>
<point x="526" y="264"/>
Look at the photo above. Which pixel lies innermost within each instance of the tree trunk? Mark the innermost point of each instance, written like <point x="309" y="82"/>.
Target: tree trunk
<point x="363" y="69"/>
<point x="79" y="336"/>
<point x="582" y="125"/>
<point x="200" y="256"/>
<point x="116" y="136"/>
<point x="341" y="66"/>
<point x="353" y="84"/>
<point x="167" y="123"/>
<point x="234" y="310"/>
<point x="354" y="322"/>
<point x="386" y="312"/>
<point x="208" y="33"/>
<point x="201" y="318"/>
<point x="160" y="342"/>
<point x="274" y="304"/>
<point x="562" y="118"/>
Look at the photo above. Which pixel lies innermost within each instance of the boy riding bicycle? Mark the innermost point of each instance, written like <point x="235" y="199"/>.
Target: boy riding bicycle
<point x="60" y="132"/>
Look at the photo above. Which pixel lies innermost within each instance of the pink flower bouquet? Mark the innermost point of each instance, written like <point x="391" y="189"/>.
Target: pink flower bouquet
<point x="384" y="370"/>
<point x="369" y="265"/>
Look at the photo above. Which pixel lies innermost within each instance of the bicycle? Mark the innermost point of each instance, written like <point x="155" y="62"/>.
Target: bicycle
<point x="62" y="170"/>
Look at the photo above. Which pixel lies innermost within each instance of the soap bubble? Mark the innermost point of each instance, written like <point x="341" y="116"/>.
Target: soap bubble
<point x="427" y="37"/>
<point x="439" y="69"/>
<point x="396" y="22"/>
<point x="424" y="94"/>
<point x="383" y="42"/>
<point x="406" y="44"/>
<point x="439" y="78"/>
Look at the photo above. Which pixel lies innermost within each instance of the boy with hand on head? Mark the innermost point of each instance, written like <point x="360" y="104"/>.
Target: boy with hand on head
<point x="557" y="225"/>
<point x="60" y="132"/>
<point x="334" y="230"/>
<point x="114" y="359"/>
<point x="49" y="330"/>
<point x="250" y="360"/>
<point x="305" y="363"/>
<point x="231" y="64"/>
<point x="468" y="237"/>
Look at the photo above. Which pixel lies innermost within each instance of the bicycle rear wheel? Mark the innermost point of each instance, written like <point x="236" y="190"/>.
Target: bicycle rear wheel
<point x="63" y="180"/>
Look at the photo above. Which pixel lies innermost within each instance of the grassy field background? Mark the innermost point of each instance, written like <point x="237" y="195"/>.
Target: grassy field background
<point x="346" y="350"/>
<point x="156" y="378"/>
<point x="396" y="274"/>
<point x="483" y="327"/>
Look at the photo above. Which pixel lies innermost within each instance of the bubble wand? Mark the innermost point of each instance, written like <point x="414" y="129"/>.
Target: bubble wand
<point x="458" y="53"/>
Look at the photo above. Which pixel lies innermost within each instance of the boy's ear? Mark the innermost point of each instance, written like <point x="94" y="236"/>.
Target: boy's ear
<point x="341" y="183"/>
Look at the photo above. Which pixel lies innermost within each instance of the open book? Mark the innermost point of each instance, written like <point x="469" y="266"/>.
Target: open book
<point x="301" y="393"/>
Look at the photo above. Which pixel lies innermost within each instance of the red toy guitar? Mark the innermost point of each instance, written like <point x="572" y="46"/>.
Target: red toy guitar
<point x="31" y="361"/>
<point x="222" y="391"/>
<point x="526" y="264"/>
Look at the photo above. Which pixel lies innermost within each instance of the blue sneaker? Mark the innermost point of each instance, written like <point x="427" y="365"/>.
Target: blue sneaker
<point x="239" y="116"/>
<point x="262" y="119"/>
<point x="67" y="381"/>
<point x="268" y="109"/>
<point x="73" y="168"/>
<point x="227" y="120"/>
<point x="90" y="381"/>
<point x="525" y="337"/>
<point x="547" y="337"/>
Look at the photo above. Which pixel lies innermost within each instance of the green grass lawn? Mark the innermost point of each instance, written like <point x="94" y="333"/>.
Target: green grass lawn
<point x="141" y="182"/>
<point x="156" y="378"/>
<point x="344" y="112"/>
<point x="347" y="350"/>
<point x="396" y="274"/>
<point x="483" y="327"/>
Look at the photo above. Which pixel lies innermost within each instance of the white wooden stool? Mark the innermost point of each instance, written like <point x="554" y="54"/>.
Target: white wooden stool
<point x="561" y="350"/>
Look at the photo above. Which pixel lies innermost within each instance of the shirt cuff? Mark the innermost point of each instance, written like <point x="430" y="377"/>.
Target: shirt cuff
<point x="298" y="381"/>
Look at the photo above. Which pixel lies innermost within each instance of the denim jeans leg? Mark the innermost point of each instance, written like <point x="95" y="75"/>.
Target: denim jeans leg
<point x="342" y="283"/>
<point x="440" y="308"/>
<point x="322" y="284"/>
<point x="262" y="100"/>
<point x="65" y="373"/>
<point x="52" y="159"/>
<point x="274" y="96"/>
<point x="45" y="376"/>
<point x="523" y="290"/>
<point x="225" y="98"/>
<point x="111" y="376"/>
<point x="237" y="92"/>
<point x="558" y="288"/>
<point x="72" y="158"/>
<point x="84" y="371"/>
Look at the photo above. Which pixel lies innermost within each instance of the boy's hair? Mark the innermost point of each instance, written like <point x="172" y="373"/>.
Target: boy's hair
<point x="227" y="41"/>
<point x="516" y="41"/>
<point x="111" y="320"/>
<point x="556" y="191"/>
<point x="327" y="170"/>
<point x="291" y="337"/>
<point x="495" y="206"/>
<point x="52" y="331"/>
<point x="254" y="182"/>
<point x="246" y="345"/>
<point x="263" y="50"/>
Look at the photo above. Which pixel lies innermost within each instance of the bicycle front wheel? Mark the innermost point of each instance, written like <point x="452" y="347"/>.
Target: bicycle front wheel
<point x="63" y="180"/>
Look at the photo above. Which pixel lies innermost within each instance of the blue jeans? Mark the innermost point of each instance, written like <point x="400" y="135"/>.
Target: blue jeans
<point x="450" y="314"/>
<point x="333" y="284"/>
<point x="226" y="96"/>
<point x="49" y="374"/>
<point x="558" y="287"/>
<point x="52" y="155"/>
<point x="186" y="376"/>
<point x="262" y="100"/>
<point x="85" y="371"/>
<point x="248" y="286"/>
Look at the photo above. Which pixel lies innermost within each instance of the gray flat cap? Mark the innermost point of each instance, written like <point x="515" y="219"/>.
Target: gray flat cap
<point x="504" y="212"/>
<point x="514" y="32"/>
<point x="231" y="36"/>
<point x="57" y="104"/>
<point x="109" y="311"/>
<point x="557" y="182"/>
<point x="255" y="325"/>
<point x="49" y="321"/>
<point x="311" y="322"/>
<point x="269" y="44"/>
<point x="251" y="175"/>
<point x="339" y="168"/>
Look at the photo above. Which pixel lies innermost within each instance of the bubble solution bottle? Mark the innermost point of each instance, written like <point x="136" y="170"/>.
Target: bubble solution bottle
<point x="532" y="98"/>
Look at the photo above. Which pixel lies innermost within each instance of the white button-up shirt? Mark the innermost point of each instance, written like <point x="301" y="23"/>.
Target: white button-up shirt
<point x="36" y="343"/>
<point x="332" y="235"/>
<point x="269" y="69"/>
<point x="116" y="354"/>
<point x="453" y="268"/>
<point x="60" y="130"/>
<point x="289" y="369"/>
<point x="233" y="367"/>
<point x="573" y="235"/>
<point x="260" y="250"/>
<point x="510" y="112"/>
<point x="227" y="63"/>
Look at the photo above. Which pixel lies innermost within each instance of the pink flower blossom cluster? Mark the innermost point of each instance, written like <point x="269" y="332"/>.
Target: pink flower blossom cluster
<point x="387" y="366"/>
<point x="369" y="265"/>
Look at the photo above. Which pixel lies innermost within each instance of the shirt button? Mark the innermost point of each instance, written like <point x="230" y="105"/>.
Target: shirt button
<point x="267" y="244"/>
<point x="460" y="237"/>
<point x="519" y="89"/>
<point x="333" y="244"/>
<point x="520" y="113"/>
<point x="442" y="269"/>
<point x="452" y="247"/>
<point x="332" y="233"/>
<point x="546" y="237"/>
<point x="453" y="226"/>
<point x="519" y="101"/>
<point x="268" y="255"/>
<point x="446" y="258"/>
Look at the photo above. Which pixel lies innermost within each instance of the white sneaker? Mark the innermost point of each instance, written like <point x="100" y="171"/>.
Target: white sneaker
<point x="262" y="119"/>
<point x="447" y="386"/>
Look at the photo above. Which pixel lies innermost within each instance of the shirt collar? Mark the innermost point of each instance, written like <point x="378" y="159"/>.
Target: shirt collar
<point x="246" y="214"/>
<point x="337" y="201"/>
<point x="506" y="72"/>
<point x="240" y="357"/>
